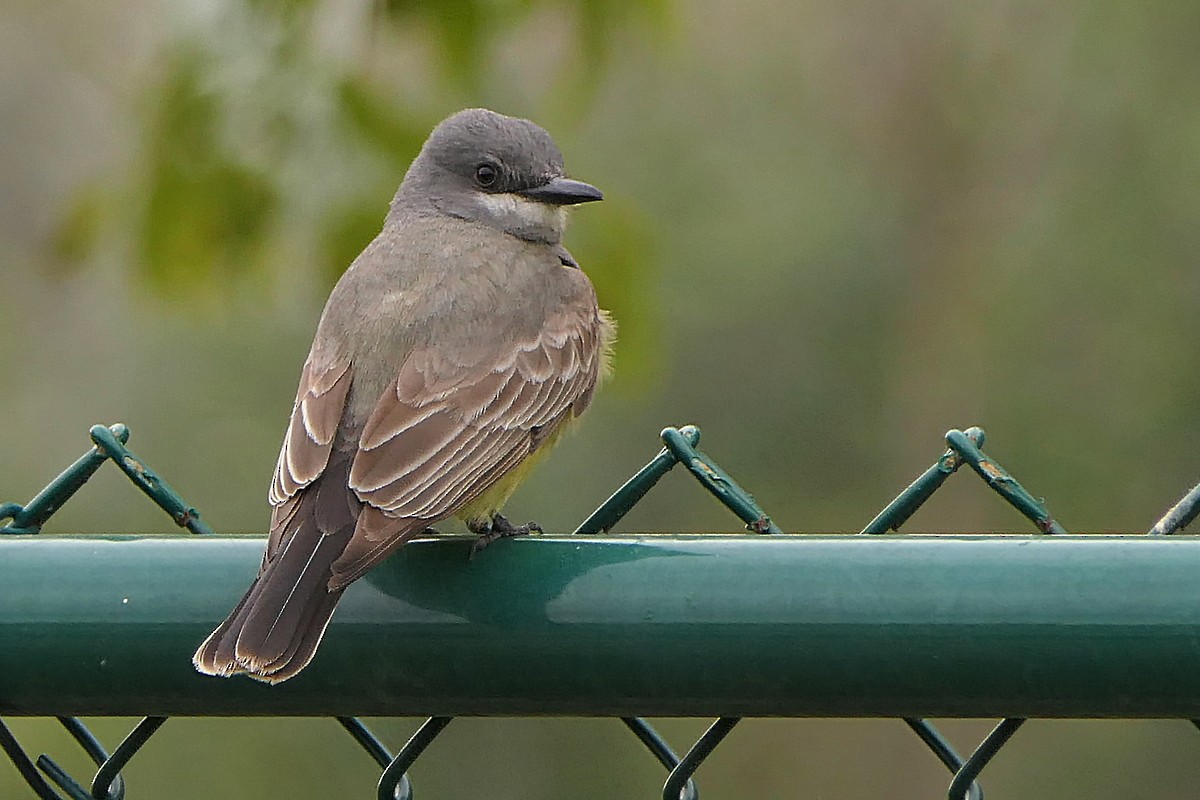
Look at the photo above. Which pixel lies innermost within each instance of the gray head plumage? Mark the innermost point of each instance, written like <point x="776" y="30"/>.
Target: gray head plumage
<point x="504" y="172"/>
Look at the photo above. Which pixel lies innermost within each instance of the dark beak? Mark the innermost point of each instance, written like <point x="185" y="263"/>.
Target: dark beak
<point x="563" y="192"/>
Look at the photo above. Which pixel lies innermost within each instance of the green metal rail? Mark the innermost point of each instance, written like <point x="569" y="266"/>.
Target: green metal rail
<point x="687" y="626"/>
<point x="734" y="625"/>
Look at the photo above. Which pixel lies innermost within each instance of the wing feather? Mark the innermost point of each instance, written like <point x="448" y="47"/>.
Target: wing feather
<point x="384" y="464"/>
<point x="455" y="423"/>
<point x="316" y="413"/>
<point x="308" y="442"/>
<point x="435" y="495"/>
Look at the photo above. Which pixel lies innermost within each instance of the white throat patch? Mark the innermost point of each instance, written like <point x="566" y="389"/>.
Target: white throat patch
<point x="520" y="212"/>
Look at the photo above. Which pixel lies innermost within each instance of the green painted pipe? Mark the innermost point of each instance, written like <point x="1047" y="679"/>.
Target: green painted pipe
<point x="897" y="626"/>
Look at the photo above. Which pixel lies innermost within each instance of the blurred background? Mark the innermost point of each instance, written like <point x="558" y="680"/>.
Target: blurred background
<point x="831" y="232"/>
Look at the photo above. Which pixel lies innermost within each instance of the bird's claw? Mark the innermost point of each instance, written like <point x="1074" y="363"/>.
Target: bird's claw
<point x="499" y="528"/>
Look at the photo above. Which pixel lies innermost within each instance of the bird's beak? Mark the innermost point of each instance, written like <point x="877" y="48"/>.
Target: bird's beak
<point x="563" y="192"/>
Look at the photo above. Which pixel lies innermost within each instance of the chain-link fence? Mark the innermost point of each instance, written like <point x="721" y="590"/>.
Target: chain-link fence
<point x="763" y="624"/>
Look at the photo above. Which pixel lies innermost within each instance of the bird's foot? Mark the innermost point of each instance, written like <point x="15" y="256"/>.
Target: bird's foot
<point x="498" y="528"/>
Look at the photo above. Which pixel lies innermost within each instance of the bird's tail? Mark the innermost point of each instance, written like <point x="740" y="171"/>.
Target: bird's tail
<point x="274" y="631"/>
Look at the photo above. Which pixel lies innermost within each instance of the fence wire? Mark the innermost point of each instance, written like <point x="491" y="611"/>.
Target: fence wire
<point x="47" y="778"/>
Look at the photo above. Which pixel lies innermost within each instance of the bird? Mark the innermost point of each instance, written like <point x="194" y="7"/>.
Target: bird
<point x="451" y="355"/>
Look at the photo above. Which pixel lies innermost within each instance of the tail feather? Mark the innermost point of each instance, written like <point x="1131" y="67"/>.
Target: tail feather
<point x="287" y="595"/>
<point x="304" y="645"/>
<point x="274" y="630"/>
<point x="211" y="657"/>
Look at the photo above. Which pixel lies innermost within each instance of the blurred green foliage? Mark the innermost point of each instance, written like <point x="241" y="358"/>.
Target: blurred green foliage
<point x="206" y="203"/>
<point x="212" y="207"/>
<point x="831" y="232"/>
<point x="206" y="215"/>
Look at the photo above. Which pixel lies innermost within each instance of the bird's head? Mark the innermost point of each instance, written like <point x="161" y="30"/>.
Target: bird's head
<point x="504" y="172"/>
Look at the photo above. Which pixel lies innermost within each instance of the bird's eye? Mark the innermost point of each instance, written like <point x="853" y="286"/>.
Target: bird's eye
<point x="486" y="175"/>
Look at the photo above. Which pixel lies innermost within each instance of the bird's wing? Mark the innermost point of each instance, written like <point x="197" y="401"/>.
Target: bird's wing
<point x="320" y="401"/>
<point x="454" y="422"/>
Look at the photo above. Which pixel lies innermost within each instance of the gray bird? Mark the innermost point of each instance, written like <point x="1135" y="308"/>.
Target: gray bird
<point x="452" y="354"/>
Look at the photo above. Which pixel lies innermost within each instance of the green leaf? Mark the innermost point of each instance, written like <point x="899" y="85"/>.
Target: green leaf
<point x="206" y="216"/>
